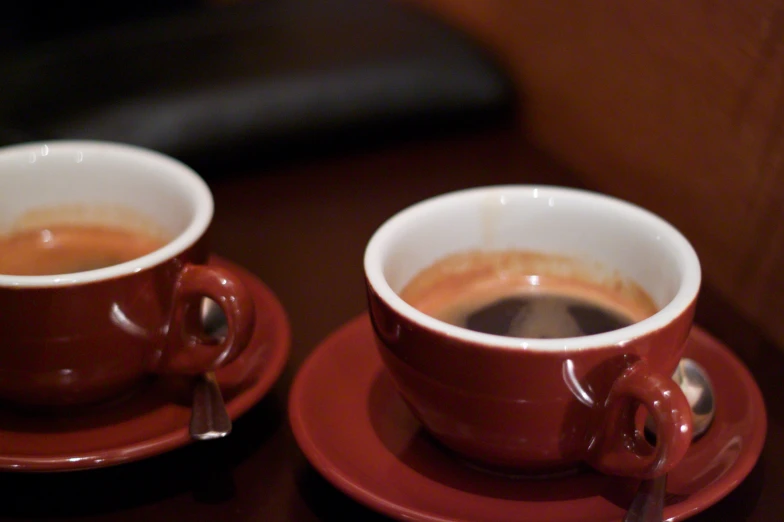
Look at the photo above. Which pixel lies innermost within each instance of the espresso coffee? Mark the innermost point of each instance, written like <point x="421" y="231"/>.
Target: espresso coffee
<point x="64" y="249"/>
<point x="526" y="294"/>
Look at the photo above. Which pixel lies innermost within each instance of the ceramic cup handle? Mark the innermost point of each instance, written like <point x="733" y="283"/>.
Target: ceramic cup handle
<point x="188" y="351"/>
<point x="621" y="448"/>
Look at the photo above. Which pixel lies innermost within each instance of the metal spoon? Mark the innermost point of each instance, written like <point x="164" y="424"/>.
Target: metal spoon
<point x="209" y="418"/>
<point x="648" y="503"/>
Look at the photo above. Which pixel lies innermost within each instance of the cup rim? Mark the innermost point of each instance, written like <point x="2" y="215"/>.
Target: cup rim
<point x="683" y="299"/>
<point x="199" y="193"/>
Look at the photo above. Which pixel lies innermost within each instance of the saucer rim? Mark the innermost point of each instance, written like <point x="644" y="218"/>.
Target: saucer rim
<point x="370" y="498"/>
<point x="144" y="448"/>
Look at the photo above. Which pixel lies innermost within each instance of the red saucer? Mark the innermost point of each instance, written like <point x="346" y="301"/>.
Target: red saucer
<point x="155" y="418"/>
<point x="351" y="424"/>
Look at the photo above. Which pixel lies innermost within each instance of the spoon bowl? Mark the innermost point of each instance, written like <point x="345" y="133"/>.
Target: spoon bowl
<point x="693" y="380"/>
<point x="696" y="386"/>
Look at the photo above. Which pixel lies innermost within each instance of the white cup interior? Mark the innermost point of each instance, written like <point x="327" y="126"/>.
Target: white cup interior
<point x="615" y="234"/>
<point x="104" y="180"/>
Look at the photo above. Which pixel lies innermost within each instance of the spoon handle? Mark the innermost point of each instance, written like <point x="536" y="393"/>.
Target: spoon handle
<point x="209" y="418"/>
<point x="648" y="503"/>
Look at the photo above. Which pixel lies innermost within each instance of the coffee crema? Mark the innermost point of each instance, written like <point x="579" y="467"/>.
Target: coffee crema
<point x="527" y="294"/>
<point x="69" y="248"/>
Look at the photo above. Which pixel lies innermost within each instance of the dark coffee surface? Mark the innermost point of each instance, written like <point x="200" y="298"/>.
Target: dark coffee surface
<point x="543" y="316"/>
<point x="64" y="249"/>
<point x="527" y="294"/>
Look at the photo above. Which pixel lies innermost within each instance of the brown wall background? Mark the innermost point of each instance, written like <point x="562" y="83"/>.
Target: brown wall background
<point x="677" y="105"/>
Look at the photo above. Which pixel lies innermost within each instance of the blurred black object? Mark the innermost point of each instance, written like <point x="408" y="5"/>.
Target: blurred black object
<point x="233" y="86"/>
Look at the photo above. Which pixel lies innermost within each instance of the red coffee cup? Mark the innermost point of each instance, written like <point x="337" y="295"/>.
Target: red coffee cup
<point x="78" y="338"/>
<point x="540" y="406"/>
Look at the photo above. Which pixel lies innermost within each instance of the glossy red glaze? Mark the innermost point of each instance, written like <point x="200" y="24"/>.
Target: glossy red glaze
<point x="353" y="427"/>
<point x="77" y="344"/>
<point x="186" y="352"/>
<point x="539" y="411"/>
<point x="155" y="418"/>
<point x="620" y="447"/>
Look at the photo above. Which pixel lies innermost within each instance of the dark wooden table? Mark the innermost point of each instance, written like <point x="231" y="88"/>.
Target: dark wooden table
<point x="302" y="229"/>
